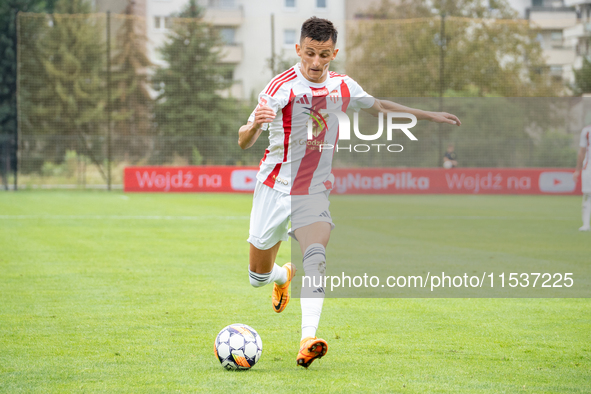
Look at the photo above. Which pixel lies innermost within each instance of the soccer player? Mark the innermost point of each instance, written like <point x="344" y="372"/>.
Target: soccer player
<point x="584" y="170"/>
<point x="295" y="178"/>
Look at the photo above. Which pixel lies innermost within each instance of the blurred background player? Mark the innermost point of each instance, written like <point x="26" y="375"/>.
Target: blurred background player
<point x="584" y="170"/>
<point x="450" y="159"/>
<point x="294" y="179"/>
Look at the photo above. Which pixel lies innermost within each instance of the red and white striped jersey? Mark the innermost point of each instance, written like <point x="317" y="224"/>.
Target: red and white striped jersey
<point x="293" y="164"/>
<point x="585" y="142"/>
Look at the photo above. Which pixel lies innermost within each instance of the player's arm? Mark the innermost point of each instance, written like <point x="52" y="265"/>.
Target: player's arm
<point x="580" y="158"/>
<point x="386" y="106"/>
<point x="249" y="133"/>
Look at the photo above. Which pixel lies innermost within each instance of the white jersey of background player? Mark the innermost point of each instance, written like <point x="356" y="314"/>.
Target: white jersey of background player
<point x="276" y="200"/>
<point x="584" y="170"/>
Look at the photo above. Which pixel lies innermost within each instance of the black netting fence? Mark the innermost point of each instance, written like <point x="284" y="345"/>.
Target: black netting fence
<point x="91" y="101"/>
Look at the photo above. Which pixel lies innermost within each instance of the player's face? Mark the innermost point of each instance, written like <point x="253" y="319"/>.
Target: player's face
<point x="315" y="58"/>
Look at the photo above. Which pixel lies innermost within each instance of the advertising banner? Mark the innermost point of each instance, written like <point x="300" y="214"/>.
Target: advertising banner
<point x="550" y="181"/>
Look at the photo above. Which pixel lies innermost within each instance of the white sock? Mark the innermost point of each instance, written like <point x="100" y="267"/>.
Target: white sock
<point x="586" y="209"/>
<point x="277" y="275"/>
<point x="312" y="296"/>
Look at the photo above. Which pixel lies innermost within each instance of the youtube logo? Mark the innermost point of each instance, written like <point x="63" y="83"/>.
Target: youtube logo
<point x="556" y="182"/>
<point x="243" y="180"/>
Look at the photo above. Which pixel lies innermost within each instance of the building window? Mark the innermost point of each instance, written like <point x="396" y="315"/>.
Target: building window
<point x="320" y="3"/>
<point x="556" y="36"/>
<point x="162" y="22"/>
<point x="556" y="70"/>
<point x="289" y="37"/>
<point x="228" y="35"/>
<point x="222" y="3"/>
<point x="290" y="3"/>
<point x="540" y="39"/>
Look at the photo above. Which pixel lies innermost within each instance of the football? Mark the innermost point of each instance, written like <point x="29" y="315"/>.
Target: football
<point x="238" y="346"/>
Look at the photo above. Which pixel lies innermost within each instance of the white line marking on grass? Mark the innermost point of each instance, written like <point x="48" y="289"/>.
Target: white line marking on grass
<point x="121" y="217"/>
<point x="453" y="217"/>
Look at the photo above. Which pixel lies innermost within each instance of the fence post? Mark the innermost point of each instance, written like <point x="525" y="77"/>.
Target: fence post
<point x="18" y="100"/>
<point x="273" y="45"/>
<point x="442" y="44"/>
<point x="109" y="126"/>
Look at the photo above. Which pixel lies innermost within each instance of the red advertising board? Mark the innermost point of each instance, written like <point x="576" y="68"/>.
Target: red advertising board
<point x="551" y="181"/>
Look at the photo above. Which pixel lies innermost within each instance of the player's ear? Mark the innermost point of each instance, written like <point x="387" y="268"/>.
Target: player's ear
<point x="334" y="54"/>
<point x="298" y="50"/>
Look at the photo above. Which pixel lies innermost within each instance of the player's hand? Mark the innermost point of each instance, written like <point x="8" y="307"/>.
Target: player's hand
<point x="444" y="117"/>
<point x="263" y="114"/>
<point x="576" y="175"/>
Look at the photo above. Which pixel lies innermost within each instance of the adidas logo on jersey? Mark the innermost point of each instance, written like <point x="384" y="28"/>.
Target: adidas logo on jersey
<point x="303" y="100"/>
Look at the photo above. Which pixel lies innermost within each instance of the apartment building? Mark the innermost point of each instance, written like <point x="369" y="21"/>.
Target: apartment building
<point x="577" y="37"/>
<point x="246" y="28"/>
<point x="552" y="17"/>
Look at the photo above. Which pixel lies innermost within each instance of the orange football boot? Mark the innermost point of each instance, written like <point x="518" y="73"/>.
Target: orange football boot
<point x="311" y="348"/>
<point x="281" y="293"/>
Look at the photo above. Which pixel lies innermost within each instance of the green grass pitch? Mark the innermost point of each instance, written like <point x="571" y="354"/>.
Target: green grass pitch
<point x="106" y="292"/>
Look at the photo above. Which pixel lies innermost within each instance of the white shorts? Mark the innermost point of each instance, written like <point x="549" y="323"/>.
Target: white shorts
<point x="586" y="179"/>
<point x="272" y="210"/>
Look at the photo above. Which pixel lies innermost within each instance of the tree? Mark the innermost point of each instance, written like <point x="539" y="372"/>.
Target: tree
<point x="8" y="75"/>
<point x="72" y="52"/>
<point x="132" y="103"/>
<point x="583" y="78"/>
<point x="486" y="48"/>
<point x="62" y="88"/>
<point x="189" y="103"/>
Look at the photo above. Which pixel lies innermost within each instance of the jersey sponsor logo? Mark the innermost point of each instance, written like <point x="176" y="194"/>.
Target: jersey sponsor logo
<point x="243" y="180"/>
<point x="319" y="92"/>
<point x="313" y="144"/>
<point x="280" y="180"/>
<point x="556" y="182"/>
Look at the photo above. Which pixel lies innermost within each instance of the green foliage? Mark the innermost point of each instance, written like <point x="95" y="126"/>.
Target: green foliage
<point x="190" y="103"/>
<point x="556" y="148"/>
<point x="63" y="81"/>
<point x="132" y="103"/>
<point x="583" y="78"/>
<point x="196" y="158"/>
<point x="8" y="57"/>
<point x="485" y="47"/>
<point x="67" y="168"/>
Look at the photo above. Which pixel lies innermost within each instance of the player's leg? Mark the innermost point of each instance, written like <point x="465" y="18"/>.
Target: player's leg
<point x="586" y="212"/>
<point x="268" y="227"/>
<point x="313" y="240"/>
<point x="312" y="225"/>
<point x="262" y="269"/>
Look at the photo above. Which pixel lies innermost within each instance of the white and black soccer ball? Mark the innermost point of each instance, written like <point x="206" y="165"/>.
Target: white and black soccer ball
<point x="238" y="346"/>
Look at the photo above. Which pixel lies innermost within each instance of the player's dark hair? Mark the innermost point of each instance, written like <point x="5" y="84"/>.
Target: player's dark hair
<point x="319" y="29"/>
